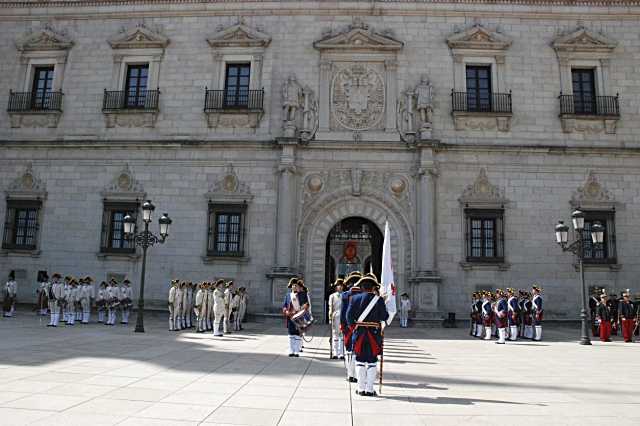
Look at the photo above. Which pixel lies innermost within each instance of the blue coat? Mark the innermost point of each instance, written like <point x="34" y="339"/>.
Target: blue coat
<point x="367" y="341"/>
<point x="302" y="299"/>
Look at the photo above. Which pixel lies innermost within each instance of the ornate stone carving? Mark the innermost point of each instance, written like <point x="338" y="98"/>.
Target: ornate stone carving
<point x="238" y="120"/>
<point x="482" y="121"/>
<point x="48" y="119"/>
<point x="592" y="192"/>
<point x="314" y="183"/>
<point x="479" y="38"/>
<point x="130" y="118"/>
<point x="43" y="40"/>
<point x="482" y="191"/>
<point x="357" y="97"/>
<point x="139" y="37"/>
<point x="357" y="37"/>
<point x="583" y="40"/>
<point x="124" y="185"/>
<point x="229" y="188"/>
<point x="239" y="35"/>
<point x="419" y="100"/>
<point x="28" y="184"/>
<point x="588" y="124"/>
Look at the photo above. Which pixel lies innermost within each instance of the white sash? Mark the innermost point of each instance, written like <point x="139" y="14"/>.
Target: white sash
<point x="294" y="301"/>
<point x="368" y="309"/>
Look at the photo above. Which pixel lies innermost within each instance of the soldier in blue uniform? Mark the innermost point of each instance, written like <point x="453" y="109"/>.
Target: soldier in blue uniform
<point x="487" y="314"/>
<point x="351" y="289"/>
<point x="514" y="313"/>
<point x="501" y="310"/>
<point x="537" y="312"/>
<point x="294" y="301"/>
<point x="366" y="311"/>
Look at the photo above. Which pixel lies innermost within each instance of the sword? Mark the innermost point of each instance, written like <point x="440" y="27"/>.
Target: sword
<point x="381" y="359"/>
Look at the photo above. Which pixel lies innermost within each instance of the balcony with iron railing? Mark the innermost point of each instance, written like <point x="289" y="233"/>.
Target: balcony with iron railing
<point x="124" y="101"/>
<point x="599" y="106"/>
<point x="471" y="102"/>
<point x="26" y="102"/>
<point x="221" y="100"/>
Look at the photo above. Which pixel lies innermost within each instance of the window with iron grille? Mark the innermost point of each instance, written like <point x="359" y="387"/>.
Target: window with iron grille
<point x="226" y="230"/>
<point x="112" y="238"/>
<point x="478" y="88"/>
<point x="136" y="85"/>
<point x="21" y="225"/>
<point x="484" y="235"/>
<point x="236" y="87"/>
<point x="606" y="252"/>
<point x="42" y="86"/>
<point x="584" y="91"/>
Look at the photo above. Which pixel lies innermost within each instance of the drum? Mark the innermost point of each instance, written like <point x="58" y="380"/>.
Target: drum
<point x="302" y="319"/>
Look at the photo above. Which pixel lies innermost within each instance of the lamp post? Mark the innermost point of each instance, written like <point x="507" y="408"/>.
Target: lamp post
<point x="145" y="239"/>
<point x="577" y="248"/>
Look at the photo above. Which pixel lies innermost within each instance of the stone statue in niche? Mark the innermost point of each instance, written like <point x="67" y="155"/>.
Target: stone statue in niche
<point x="309" y="114"/>
<point x="424" y="105"/>
<point x="291" y="95"/>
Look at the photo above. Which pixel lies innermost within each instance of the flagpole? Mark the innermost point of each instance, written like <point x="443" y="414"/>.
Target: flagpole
<point x="381" y="359"/>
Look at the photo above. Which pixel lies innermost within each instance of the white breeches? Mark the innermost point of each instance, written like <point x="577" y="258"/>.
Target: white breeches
<point x="367" y="372"/>
<point x="295" y="344"/>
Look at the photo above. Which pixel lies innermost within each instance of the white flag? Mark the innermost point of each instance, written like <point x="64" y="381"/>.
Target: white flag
<point x="388" y="286"/>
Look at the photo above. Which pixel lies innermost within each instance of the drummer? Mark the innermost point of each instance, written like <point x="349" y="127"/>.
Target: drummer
<point x="295" y="301"/>
<point x="351" y="287"/>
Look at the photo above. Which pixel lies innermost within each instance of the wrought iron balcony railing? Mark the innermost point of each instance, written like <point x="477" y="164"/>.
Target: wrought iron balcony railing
<point x="122" y="100"/>
<point x="590" y="105"/>
<point x="474" y="102"/>
<point x="216" y="100"/>
<point x="35" y="101"/>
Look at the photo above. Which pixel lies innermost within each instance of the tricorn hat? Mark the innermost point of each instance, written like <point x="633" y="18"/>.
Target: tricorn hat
<point x="367" y="282"/>
<point x="293" y="281"/>
<point x="352" y="278"/>
<point x="626" y="293"/>
<point x="56" y="275"/>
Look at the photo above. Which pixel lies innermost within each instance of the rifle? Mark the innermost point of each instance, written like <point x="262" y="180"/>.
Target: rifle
<point x="381" y="359"/>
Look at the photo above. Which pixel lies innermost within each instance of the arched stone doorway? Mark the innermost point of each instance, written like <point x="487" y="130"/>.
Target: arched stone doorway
<point x="353" y="244"/>
<point x="320" y="217"/>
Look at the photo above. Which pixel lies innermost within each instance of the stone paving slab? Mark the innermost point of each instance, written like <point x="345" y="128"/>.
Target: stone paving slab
<point x="112" y="376"/>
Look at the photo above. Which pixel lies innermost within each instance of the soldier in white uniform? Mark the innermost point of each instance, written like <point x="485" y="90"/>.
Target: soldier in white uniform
<point x="101" y="301"/>
<point x="228" y="295"/>
<point x="78" y="306"/>
<point x="10" y="294"/>
<point x="185" y="304"/>
<point x="126" y="295"/>
<point x="335" y="307"/>
<point x="198" y="306"/>
<point x="210" y="304"/>
<point x="242" y="309"/>
<point x="63" y="301"/>
<point x="71" y="297"/>
<point x="171" y="300"/>
<point x="235" y="305"/>
<point x="178" y="305"/>
<point x="85" y="299"/>
<point x="218" y="307"/>
<point x="113" y="300"/>
<point x="191" y="295"/>
<point x="54" y="293"/>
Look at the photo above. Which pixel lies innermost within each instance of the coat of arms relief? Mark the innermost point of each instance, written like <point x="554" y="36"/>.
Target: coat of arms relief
<point x="357" y="97"/>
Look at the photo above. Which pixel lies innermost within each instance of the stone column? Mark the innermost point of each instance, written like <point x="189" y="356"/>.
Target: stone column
<point x="58" y="73"/>
<point x="217" y="67"/>
<point x="391" y="77"/>
<point x="324" y="94"/>
<point x="459" y="83"/>
<point x="257" y="72"/>
<point x="500" y="71"/>
<point x="154" y="77"/>
<point x="116" y="80"/>
<point x="604" y="78"/>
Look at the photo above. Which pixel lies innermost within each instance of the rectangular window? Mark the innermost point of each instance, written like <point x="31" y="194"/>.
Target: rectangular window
<point x="42" y="87"/>
<point x="21" y="225"/>
<point x="584" y="91"/>
<point x="236" y="85"/>
<point x="478" y="88"/>
<point x="484" y="235"/>
<point x="136" y="85"/>
<point x="605" y="253"/>
<point x="226" y="230"/>
<point x="113" y="239"/>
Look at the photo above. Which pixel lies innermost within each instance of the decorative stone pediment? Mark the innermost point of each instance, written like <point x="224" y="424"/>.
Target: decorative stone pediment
<point x="124" y="185"/>
<point x="139" y="37"/>
<point x="358" y="37"/>
<point x="482" y="193"/>
<point x="229" y="188"/>
<point x="239" y="35"/>
<point x="583" y="40"/>
<point x="27" y="185"/>
<point x="478" y="38"/>
<point x="43" y="40"/>
<point x="592" y="195"/>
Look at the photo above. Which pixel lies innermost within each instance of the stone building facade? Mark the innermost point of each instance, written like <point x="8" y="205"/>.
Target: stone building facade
<point x="470" y="126"/>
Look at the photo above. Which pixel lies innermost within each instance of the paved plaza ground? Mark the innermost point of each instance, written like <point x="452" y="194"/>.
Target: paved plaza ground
<point x="99" y="375"/>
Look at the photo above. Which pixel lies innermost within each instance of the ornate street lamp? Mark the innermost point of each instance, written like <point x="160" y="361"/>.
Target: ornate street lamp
<point x="577" y="248"/>
<point x="145" y="239"/>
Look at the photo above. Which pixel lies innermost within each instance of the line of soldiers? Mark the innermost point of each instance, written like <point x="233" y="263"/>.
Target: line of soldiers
<point x="507" y="316"/>
<point x="9" y="296"/>
<point x="610" y="314"/>
<point x="357" y="315"/>
<point x="208" y="306"/>
<point x="72" y="300"/>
